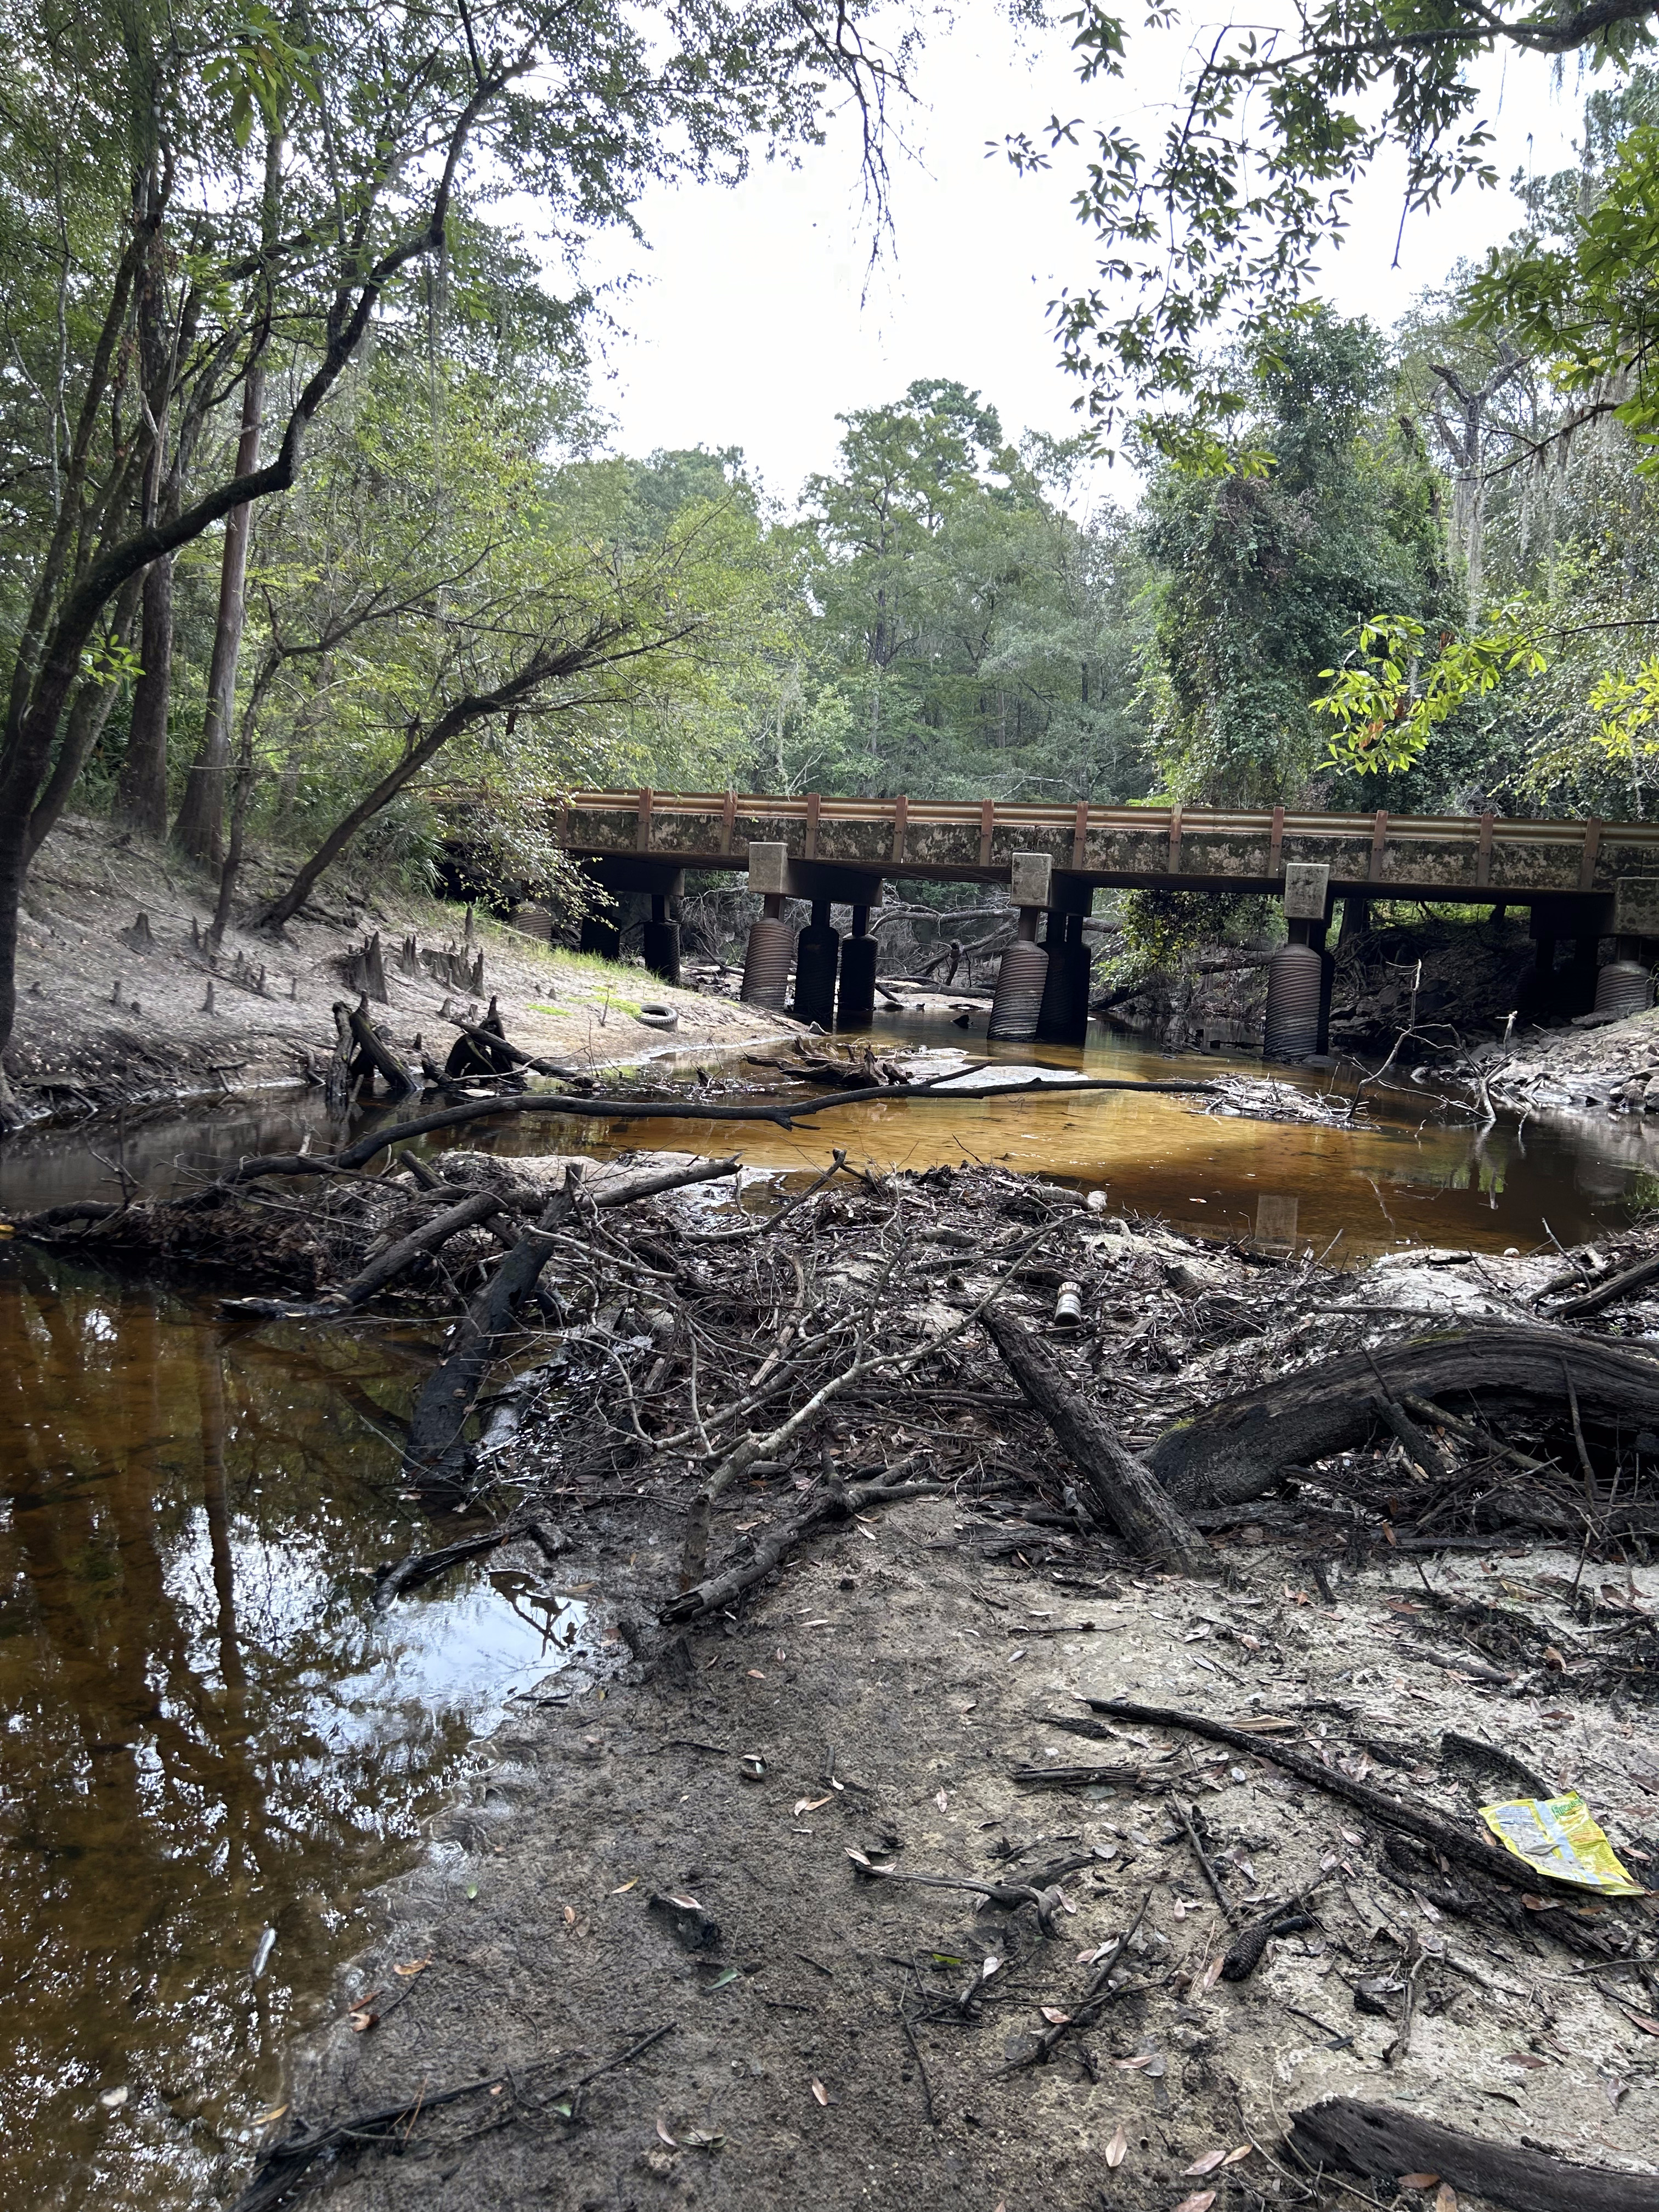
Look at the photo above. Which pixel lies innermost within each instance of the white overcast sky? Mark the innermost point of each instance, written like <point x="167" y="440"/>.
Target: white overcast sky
<point x="750" y="318"/>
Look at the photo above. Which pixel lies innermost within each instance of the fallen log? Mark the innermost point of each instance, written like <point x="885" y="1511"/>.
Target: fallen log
<point x="1383" y="2143"/>
<point x="1127" y="1496"/>
<point x="1608" y="1292"/>
<point x="1238" y="1448"/>
<point x="437" y="1458"/>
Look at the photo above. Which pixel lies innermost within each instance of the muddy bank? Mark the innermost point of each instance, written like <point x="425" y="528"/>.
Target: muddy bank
<point x="840" y="1888"/>
<point x="846" y="2042"/>
<point x="111" y="1012"/>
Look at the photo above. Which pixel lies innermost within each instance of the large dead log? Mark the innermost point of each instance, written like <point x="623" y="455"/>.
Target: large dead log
<point x="1384" y="2143"/>
<point x="1125" y="1495"/>
<point x="1238" y="1448"/>
<point x="437" y="1230"/>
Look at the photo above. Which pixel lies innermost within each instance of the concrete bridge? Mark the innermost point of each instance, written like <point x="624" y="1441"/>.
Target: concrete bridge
<point x="1584" y="881"/>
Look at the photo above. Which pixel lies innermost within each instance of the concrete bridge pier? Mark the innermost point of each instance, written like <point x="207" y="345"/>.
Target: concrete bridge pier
<point x="596" y="934"/>
<point x="855" y="1003"/>
<point x="1625" y="986"/>
<point x="1299" y="974"/>
<point x="1024" y="971"/>
<point x="662" y="940"/>
<point x="1063" y="1017"/>
<point x="817" y="955"/>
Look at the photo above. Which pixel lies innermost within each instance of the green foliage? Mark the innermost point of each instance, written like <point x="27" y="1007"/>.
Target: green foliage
<point x="1159" y="926"/>
<point x="969" y="633"/>
<point x="1263" y="574"/>
<point x="1221" y="222"/>
<point x="1391" y="696"/>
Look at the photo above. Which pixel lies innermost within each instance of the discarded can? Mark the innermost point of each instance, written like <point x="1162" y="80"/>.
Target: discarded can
<point x="1068" y="1306"/>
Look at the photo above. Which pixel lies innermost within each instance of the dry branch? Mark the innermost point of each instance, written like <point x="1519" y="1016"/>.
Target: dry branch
<point x="1125" y="1496"/>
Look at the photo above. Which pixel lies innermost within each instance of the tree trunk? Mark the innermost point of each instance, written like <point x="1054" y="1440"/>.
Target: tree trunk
<point x="1382" y="2141"/>
<point x="199" y="830"/>
<point x="1125" y="1496"/>
<point x="1238" y="1448"/>
<point x="141" y="800"/>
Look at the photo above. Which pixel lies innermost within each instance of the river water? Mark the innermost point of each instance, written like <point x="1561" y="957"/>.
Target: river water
<point x="213" y="1749"/>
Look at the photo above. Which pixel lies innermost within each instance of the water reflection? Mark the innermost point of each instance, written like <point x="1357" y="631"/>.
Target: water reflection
<point x="1399" y="1176"/>
<point x="207" y="1734"/>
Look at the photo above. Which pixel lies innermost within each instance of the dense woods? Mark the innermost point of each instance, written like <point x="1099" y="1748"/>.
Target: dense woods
<point x="318" y="537"/>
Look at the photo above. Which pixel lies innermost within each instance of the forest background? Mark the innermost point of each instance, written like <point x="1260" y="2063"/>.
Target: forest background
<point x="284" y="255"/>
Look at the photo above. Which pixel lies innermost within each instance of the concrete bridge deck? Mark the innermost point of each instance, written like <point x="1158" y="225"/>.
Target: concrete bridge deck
<point x="1583" y="880"/>
<point x="1445" y="857"/>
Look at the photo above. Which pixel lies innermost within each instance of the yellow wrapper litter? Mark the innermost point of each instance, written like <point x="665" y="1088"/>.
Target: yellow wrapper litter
<point x="1558" y="1836"/>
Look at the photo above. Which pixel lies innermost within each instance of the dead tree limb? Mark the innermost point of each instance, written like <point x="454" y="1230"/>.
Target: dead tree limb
<point x="376" y="1050"/>
<point x="1607" y="1293"/>
<point x="1125" y="1495"/>
<point x="1382" y="2141"/>
<point x="1487" y="1860"/>
<point x="836" y="1503"/>
<point x="669" y="1109"/>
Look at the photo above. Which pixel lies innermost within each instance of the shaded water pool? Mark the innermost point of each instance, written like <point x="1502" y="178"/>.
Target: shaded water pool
<point x="213" y="1748"/>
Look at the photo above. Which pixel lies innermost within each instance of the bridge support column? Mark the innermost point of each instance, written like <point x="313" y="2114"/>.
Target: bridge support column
<point x="766" y="959"/>
<point x="1025" y="967"/>
<point x="1063" y="1016"/>
<point x="855" y="1004"/>
<point x="1625" y="986"/>
<point x="1296" y="993"/>
<point x="662" y="941"/>
<point x="600" y="936"/>
<point x="817" y="953"/>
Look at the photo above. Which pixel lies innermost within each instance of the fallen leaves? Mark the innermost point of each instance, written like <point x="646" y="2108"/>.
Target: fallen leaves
<point x="412" y="1966"/>
<point x="819" y="2091"/>
<point x="1200" y="2201"/>
<point x="1118" y="2150"/>
<point x="808" y="1805"/>
<point x="1054" y="2016"/>
<point x="1445" y="2198"/>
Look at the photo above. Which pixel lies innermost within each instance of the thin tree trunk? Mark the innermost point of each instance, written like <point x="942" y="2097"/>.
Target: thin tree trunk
<point x="199" y="830"/>
<point x="141" y="800"/>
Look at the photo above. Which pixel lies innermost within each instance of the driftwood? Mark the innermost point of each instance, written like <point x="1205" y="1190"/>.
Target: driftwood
<point x="1238" y="1448"/>
<point x="374" y="1048"/>
<point x="1125" y="1496"/>
<point x="437" y="1457"/>
<point x="1382" y="2142"/>
<point x="421" y="1567"/>
<point x="1487" y="1860"/>
<point x="1609" y="1292"/>
<point x="484" y="1048"/>
<point x="837" y="1503"/>
<point x="478" y="1207"/>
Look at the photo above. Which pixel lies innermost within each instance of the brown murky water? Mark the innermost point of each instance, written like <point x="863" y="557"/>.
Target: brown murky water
<point x="1399" y="1178"/>
<point x="212" y="1748"/>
